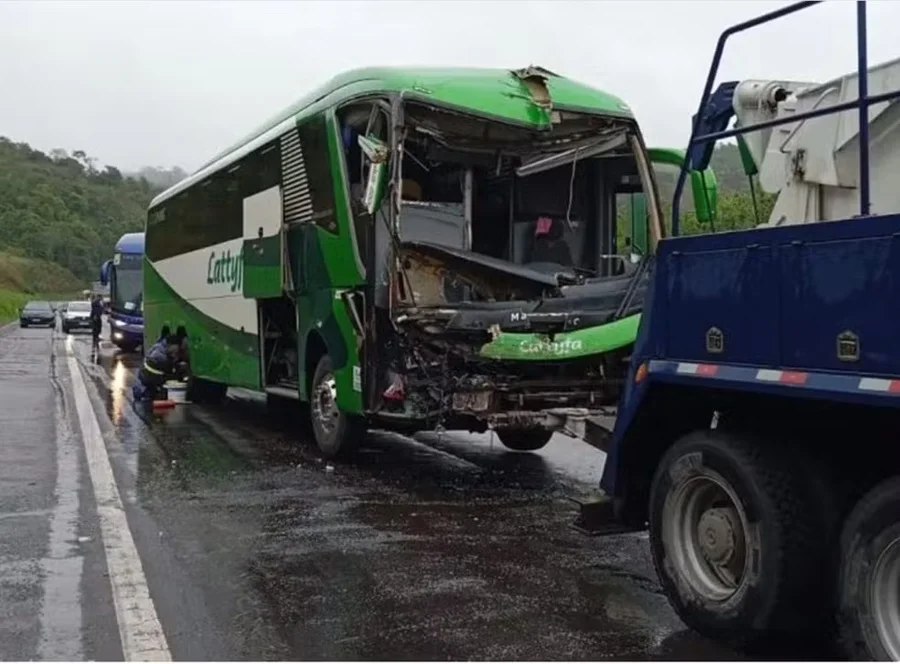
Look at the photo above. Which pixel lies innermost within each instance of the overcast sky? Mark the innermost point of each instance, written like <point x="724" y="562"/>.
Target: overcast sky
<point x="170" y="83"/>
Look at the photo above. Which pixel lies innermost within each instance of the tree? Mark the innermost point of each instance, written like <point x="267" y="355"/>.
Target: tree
<point x="61" y="208"/>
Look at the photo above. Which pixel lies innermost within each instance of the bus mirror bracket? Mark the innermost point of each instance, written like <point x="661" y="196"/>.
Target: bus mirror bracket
<point x="377" y="153"/>
<point x="704" y="188"/>
<point x="104" y="272"/>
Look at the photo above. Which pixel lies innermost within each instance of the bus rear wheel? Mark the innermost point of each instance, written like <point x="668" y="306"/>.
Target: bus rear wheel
<point x="869" y="580"/>
<point x="735" y="540"/>
<point x="337" y="434"/>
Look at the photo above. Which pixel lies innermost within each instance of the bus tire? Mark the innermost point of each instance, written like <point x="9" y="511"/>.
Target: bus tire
<point x="868" y="592"/>
<point x="734" y="539"/>
<point x="336" y="434"/>
<point x="524" y="440"/>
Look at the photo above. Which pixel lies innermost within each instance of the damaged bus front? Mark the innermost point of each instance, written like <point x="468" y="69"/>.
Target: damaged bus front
<point x="499" y="295"/>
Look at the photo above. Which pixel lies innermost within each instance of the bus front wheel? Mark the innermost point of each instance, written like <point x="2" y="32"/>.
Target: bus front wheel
<point x="337" y="434"/>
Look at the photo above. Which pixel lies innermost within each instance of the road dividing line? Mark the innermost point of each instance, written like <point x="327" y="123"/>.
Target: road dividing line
<point x="139" y="627"/>
<point x="63" y="563"/>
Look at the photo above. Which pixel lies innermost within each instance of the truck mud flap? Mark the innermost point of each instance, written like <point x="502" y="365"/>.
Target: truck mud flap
<point x="598" y="431"/>
<point x="596" y="518"/>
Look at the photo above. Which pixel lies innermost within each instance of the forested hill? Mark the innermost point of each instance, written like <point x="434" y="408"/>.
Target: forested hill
<point x="65" y="208"/>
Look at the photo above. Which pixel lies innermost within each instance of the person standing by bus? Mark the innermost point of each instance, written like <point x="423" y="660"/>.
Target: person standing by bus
<point x="97" y="310"/>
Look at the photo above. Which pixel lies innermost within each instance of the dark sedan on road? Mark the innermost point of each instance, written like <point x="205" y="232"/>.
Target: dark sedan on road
<point x="37" y="313"/>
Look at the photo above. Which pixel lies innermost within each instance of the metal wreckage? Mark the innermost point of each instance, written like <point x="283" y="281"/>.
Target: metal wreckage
<point x="502" y="302"/>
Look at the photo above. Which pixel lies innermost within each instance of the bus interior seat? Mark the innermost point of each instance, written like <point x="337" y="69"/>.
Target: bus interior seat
<point x="549" y="244"/>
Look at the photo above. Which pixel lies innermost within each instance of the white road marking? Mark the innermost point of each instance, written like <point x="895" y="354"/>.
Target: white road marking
<point x="139" y="627"/>
<point x="63" y="565"/>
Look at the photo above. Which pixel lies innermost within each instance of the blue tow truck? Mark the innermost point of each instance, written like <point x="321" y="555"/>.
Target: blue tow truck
<point x="757" y="438"/>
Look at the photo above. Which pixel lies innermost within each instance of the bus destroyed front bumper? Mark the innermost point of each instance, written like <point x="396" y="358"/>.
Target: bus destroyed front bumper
<point x="515" y="352"/>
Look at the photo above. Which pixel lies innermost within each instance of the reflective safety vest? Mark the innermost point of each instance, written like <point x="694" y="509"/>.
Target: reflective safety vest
<point x="157" y="359"/>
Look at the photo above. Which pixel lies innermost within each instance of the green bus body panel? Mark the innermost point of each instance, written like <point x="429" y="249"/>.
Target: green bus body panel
<point x="262" y="267"/>
<point x="323" y="315"/>
<point x="581" y="343"/>
<point x="320" y="310"/>
<point x="494" y="92"/>
<point x="325" y="264"/>
<point x="218" y="352"/>
<point x="339" y="251"/>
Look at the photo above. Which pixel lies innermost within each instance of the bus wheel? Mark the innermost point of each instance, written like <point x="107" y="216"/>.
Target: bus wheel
<point x="734" y="540"/>
<point x="337" y="434"/>
<point x="524" y="440"/>
<point x="869" y="580"/>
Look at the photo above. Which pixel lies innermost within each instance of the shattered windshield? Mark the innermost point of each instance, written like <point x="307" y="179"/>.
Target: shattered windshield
<point x="508" y="193"/>
<point x="545" y="200"/>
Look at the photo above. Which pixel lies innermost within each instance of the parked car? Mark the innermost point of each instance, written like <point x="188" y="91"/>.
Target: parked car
<point x="76" y="315"/>
<point x="37" y="313"/>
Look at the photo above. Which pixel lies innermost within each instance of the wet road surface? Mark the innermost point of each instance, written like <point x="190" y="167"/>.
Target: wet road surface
<point x="248" y="546"/>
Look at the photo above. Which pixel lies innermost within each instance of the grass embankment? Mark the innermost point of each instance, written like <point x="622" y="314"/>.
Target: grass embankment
<point x="23" y="279"/>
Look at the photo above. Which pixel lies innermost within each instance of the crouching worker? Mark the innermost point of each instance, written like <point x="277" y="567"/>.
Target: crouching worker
<point x="159" y="366"/>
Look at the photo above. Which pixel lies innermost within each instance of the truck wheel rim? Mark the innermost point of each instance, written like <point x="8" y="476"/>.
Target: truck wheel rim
<point x="325" y="404"/>
<point x="884" y="598"/>
<point x="705" y="535"/>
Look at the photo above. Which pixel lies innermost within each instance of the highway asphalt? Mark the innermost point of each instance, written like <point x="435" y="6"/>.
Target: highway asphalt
<point x="218" y="534"/>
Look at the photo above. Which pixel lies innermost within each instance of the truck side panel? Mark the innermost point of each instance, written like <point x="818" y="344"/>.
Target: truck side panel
<point x="764" y="291"/>
<point x="742" y="311"/>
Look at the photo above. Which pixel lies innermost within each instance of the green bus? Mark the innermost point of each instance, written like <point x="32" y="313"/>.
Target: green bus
<point x="415" y="249"/>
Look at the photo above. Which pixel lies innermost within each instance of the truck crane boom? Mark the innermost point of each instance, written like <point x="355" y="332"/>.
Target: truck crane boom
<point x="813" y="164"/>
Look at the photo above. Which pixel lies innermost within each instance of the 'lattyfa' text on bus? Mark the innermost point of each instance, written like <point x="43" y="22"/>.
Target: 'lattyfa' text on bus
<point x="226" y="268"/>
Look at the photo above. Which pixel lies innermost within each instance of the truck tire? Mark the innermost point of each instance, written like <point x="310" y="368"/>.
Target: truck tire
<point x="734" y="539"/>
<point x="336" y="434"/>
<point x="869" y="578"/>
<point x="524" y="440"/>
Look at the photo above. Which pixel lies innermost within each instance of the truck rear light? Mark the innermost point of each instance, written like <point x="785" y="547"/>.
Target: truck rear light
<point x="641" y="373"/>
